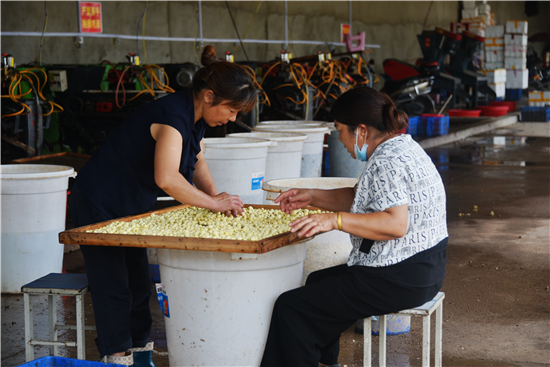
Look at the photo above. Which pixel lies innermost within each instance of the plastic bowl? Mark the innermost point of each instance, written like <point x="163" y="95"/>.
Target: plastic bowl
<point x="464" y="113"/>
<point x="493" y="111"/>
<point x="511" y="104"/>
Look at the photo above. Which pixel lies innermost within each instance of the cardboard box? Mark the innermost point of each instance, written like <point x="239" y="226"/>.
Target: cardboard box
<point x="515" y="39"/>
<point x="469" y="13"/>
<point x="493" y="65"/>
<point x="469" y="4"/>
<point x="495" y="31"/>
<point x="536" y="96"/>
<point x="499" y="88"/>
<point x="483" y="8"/>
<point x="516" y="26"/>
<point x="476" y="19"/>
<point x="517" y="79"/>
<point x="494" y="76"/>
<point x="515" y="63"/>
<point x="494" y="53"/>
<point x="495" y="41"/>
<point x="515" y="51"/>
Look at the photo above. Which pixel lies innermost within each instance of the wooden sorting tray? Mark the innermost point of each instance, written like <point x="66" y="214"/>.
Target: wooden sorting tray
<point x="79" y="236"/>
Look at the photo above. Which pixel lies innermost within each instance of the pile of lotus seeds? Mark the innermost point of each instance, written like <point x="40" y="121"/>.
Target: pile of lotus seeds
<point x="252" y="225"/>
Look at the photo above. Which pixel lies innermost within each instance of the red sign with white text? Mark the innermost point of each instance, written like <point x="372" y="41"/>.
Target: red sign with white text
<point x="90" y="18"/>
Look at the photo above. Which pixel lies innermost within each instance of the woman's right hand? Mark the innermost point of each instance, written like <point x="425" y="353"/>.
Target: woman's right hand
<point x="230" y="204"/>
<point x="294" y="199"/>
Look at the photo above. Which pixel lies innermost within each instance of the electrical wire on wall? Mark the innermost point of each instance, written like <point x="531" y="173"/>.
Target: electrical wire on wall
<point x="137" y="32"/>
<point x="236" y="30"/>
<point x="143" y="35"/>
<point x="249" y="24"/>
<point x="43" y="32"/>
<point x="196" y="35"/>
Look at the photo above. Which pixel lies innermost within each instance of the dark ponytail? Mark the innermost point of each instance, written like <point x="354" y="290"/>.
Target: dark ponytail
<point x="231" y="84"/>
<point x="364" y="105"/>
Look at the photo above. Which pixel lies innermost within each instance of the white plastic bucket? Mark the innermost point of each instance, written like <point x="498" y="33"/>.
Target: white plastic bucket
<point x="238" y="166"/>
<point x="220" y="305"/>
<point x="327" y="249"/>
<point x="312" y="154"/>
<point x="283" y="160"/>
<point x="34" y="204"/>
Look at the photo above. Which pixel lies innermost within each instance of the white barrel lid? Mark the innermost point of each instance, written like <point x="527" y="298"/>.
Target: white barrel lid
<point x="34" y="171"/>
<point x="275" y="187"/>
<point x="292" y="129"/>
<point x="234" y="143"/>
<point x="292" y="122"/>
<point x="270" y="136"/>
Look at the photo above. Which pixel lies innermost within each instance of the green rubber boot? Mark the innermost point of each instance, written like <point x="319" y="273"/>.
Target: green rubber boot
<point x="143" y="357"/>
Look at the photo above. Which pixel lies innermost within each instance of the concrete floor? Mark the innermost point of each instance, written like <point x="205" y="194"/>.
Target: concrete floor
<point x="496" y="310"/>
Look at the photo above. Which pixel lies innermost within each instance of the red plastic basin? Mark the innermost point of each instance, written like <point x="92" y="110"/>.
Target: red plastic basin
<point x="464" y="113"/>
<point x="511" y="104"/>
<point x="493" y="111"/>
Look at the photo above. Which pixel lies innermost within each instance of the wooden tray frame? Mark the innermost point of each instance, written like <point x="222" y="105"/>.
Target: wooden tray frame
<point x="79" y="236"/>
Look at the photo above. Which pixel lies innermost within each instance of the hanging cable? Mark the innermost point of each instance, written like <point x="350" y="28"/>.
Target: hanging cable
<point x="236" y="30"/>
<point x="249" y="24"/>
<point x="143" y="35"/>
<point x="137" y="32"/>
<point x="43" y="32"/>
<point x="426" y="18"/>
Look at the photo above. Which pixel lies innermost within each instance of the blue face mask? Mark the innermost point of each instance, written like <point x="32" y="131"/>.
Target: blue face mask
<point x="360" y="154"/>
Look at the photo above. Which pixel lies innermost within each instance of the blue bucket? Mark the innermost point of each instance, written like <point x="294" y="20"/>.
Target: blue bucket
<point x="66" y="362"/>
<point x="395" y="324"/>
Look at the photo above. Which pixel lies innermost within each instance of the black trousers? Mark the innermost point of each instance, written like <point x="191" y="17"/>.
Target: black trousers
<point x="120" y="286"/>
<point x="307" y="322"/>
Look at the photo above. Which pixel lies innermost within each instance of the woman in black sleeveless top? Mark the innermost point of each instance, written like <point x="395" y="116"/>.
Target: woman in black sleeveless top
<point x="158" y="147"/>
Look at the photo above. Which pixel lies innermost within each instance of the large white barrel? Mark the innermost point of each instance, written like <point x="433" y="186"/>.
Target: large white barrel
<point x="238" y="166"/>
<point x="221" y="303"/>
<point x="312" y="154"/>
<point x="283" y="160"/>
<point x="34" y="204"/>
<point x="327" y="249"/>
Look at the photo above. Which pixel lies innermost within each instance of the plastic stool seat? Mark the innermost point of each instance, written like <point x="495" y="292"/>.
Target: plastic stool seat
<point x="56" y="283"/>
<point x="52" y="285"/>
<point x="426" y="310"/>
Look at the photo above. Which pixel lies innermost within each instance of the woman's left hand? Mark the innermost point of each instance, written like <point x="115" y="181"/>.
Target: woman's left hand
<point x="314" y="223"/>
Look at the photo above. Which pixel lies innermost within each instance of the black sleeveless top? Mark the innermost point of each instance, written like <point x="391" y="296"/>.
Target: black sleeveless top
<point x="119" y="178"/>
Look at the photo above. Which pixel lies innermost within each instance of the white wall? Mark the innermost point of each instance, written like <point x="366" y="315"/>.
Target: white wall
<point x="391" y="24"/>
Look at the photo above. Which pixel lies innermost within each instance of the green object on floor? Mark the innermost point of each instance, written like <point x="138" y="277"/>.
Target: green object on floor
<point x="143" y="359"/>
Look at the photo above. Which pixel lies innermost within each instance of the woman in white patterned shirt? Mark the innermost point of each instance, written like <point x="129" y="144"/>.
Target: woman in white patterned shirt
<point x="396" y="218"/>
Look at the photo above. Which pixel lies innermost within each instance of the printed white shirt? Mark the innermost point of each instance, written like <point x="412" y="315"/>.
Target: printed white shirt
<point x="400" y="172"/>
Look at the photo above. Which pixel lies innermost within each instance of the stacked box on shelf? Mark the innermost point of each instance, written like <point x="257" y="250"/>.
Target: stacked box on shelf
<point x="476" y="25"/>
<point x="484" y="11"/>
<point x="539" y="99"/>
<point x="494" y="48"/>
<point x="469" y="9"/>
<point x="535" y="114"/>
<point x="497" y="80"/>
<point x="515" y="54"/>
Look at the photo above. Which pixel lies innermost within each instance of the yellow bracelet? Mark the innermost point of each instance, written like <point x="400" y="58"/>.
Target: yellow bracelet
<point x="339" y="221"/>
